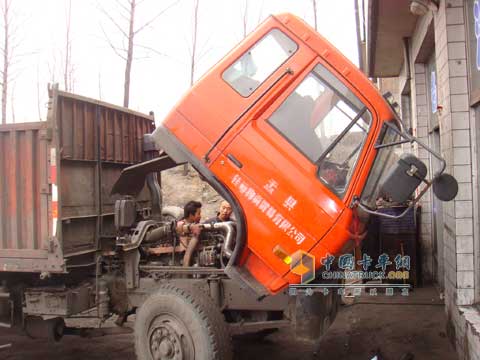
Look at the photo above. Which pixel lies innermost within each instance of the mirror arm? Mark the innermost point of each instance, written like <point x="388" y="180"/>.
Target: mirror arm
<point x="412" y="139"/>
<point x="357" y="203"/>
<point x="377" y="213"/>
<point x="434" y="153"/>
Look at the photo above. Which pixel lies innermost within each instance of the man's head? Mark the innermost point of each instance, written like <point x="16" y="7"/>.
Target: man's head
<point x="192" y="211"/>
<point x="225" y="211"/>
<point x="328" y="172"/>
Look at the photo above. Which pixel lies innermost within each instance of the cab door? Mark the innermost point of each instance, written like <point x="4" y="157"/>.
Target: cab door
<point x="292" y="164"/>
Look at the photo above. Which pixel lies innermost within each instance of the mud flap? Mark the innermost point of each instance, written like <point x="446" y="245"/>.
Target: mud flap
<point x="314" y="314"/>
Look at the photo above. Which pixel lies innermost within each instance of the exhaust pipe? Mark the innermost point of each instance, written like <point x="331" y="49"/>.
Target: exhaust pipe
<point x="228" y="227"/>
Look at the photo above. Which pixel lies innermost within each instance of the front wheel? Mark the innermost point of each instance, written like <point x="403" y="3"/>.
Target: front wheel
<point x="180" y="324"/>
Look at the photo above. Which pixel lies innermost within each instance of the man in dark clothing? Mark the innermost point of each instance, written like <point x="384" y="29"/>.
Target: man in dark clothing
<point x="223" y="214"/>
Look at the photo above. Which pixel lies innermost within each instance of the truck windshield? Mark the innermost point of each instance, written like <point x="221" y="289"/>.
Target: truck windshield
<point x="327" y="123"/>
<point x="384" y="160"/>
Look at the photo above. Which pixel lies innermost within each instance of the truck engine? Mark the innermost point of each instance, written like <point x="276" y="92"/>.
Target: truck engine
<point x="172" y="242"/>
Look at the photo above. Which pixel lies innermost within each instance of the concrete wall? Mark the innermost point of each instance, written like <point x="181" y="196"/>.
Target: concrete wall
<point x="458" y="141"/>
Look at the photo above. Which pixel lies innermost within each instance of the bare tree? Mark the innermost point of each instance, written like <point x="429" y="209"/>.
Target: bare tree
<point x="9" y="70"/>
<point x="128" y="66"/>
<point x="126" y="25"/>
<point x="68" y="66"/>
<point x="314" y="3"/>
<point x="38" y="93"/>
<point x="52" y="68"/>
<point x="193" y="56"/>
<point x="246" y="16"/>
<point x="12" y="103"/>
<point x="100" y="85"/>
<point x="197" y="50"/>
<point x="6" y="56"/>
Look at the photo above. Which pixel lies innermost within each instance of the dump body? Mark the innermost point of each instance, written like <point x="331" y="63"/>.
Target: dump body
<point x="55" y="202"/>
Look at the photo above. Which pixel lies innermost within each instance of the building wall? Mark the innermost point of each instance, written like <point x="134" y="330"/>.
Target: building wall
<point x="420" y="130"/>
<point x="457" y="125"/>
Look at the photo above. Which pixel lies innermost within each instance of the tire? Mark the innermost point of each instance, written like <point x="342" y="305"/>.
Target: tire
<point x="179" y="324"/>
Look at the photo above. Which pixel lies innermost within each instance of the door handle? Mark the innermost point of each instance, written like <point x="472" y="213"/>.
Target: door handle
<point x="235" y="161"/>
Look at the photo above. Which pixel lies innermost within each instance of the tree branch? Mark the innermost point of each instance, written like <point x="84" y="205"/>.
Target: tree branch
<point x="119" y="3"/>
<point x="109" y="42"/>
<point x="113" y="21"/>
<point x="154" y="18"/>
<point x="151" y="49"/>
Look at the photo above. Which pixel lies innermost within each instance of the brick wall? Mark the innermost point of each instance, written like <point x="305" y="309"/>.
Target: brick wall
<point x="455" y="141"/>
<point x="457" y="138"/>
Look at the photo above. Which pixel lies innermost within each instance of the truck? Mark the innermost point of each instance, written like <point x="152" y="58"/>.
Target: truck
<point x="285" y="128"/>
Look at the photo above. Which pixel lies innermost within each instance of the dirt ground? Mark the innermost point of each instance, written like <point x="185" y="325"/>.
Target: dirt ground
<point x="390" y="327"/>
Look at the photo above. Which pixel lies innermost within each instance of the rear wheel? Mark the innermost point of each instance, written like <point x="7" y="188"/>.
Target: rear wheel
<point x="180" y="324"/>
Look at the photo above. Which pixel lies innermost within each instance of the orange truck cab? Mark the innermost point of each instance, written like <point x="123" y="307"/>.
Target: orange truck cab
<point x="299" y="141"/>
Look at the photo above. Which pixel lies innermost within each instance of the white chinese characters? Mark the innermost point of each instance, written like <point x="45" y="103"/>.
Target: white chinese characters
<point x="290" y="203"/>
<point x="268" y="209"/>
<point x="271" y="186"/>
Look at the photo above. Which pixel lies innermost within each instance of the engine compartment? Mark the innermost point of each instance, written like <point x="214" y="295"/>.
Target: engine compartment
<point x="167" y="241"/>
<point x="164" y="246"/>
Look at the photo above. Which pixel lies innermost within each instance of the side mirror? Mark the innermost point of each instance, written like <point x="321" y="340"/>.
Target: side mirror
<point x="445" y="187"/>
<point x="403" y="178"/>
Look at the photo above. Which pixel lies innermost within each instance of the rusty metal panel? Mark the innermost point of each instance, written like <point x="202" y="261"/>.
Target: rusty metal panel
<point x="96" y="142"/>
<point x="90" y="142"/>
<point x="24" y="231"/>
<point x="121" y="130"/>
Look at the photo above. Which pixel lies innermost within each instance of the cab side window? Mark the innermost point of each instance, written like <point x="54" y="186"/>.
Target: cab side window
<point x="259" y="62"/>
<point x="327" y="123"/>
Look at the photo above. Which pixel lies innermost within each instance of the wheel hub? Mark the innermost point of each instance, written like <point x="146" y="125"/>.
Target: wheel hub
<point x="166" y="348"/>
<point x="169" y="340"/>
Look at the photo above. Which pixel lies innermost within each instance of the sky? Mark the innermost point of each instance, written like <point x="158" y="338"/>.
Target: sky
<point x="161" y="68"/>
